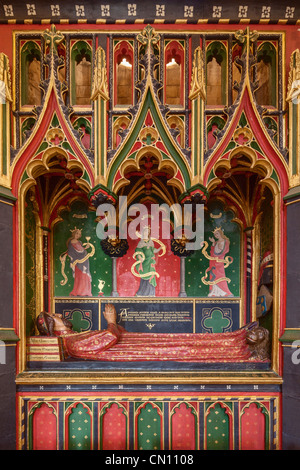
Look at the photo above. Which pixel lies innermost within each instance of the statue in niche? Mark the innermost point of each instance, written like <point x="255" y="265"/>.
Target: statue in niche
<point x="218" y="261"/>
<point x="145" y="263"/>
<point x="83" y="81"/>
<point x="214" y="82"/>
<point x="34" y="79"/>
<point x="173" y="75"/>
<point x="124" y="82"/>
<point x="263" y="93"/>
<point x="79" y="262"/>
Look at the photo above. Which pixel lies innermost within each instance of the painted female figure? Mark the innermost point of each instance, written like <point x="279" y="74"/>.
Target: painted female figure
<point x="218" y="261"/>
<point x="79" y="258"/>
<point x="145" y="256"/>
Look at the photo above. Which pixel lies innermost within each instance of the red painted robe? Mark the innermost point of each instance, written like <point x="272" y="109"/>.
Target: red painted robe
<point x="116" y="344"/>
<point x="81" y="271"/>
<point x="217" y="271"/>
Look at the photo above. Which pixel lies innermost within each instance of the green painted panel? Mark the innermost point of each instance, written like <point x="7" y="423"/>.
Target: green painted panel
<point x="243" y="120"/>
<point x="99" y="264"/>
<point x="255" y="146"/>
<point x="230" y="146"/>
<point x="68" y="147"/>
<point x="149" y="428"/>
<point x="217" y="428"/>
<point x="55" y="121"/>
<point x="42" y="147"/>
<point x="79" y="428"/>
<point x="199" y="269"/>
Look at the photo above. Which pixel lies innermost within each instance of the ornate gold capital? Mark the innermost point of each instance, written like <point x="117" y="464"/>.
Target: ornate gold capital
<point x="198" y="80"/>
<point x="5" y="78"/>
<point x="100" y="85"/>
<point x="293" y="93"/>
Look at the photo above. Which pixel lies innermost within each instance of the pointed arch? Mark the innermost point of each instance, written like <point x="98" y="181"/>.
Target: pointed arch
<point x="36" y="144"/>
<point x="260" y="141"/>
<point x="126" y="148"/>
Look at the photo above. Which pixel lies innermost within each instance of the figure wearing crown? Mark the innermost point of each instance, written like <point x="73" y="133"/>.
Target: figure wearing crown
<point x="215" y="274"/>
<point x="79" y="262"/>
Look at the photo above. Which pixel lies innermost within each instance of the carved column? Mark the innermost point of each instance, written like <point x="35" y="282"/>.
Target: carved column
<point x="197" y="97"/>
<point x="100" y="98"/>
<point x="293" y="99"/>
<point x="182" y="292"/>
<point x="8" y="337"/>
<point x="45" y="248"/>
<point x="112" y="245"/>
<point x="248" y="233"/>
<point x="5" y="102"/>
<point x="291" y="336"/>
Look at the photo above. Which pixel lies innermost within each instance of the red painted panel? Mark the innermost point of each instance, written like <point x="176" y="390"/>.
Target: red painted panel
<point x="167" y="266"/>
<point x="183" y="428"/>
<point x="44" y="434"/>
<point x="253" y="428"/>
<point x="114" y="428"/>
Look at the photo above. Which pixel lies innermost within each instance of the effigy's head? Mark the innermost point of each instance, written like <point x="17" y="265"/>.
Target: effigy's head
<point x="46" y="323"/>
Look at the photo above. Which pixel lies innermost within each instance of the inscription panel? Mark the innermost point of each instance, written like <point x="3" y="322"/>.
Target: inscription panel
<point x="154" y="316"/>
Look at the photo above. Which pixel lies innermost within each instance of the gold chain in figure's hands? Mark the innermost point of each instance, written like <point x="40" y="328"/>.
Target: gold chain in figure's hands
<point x="162" y="245"/>
<point x="227" y="261"/>
<point x="142" y="259"/>
<point x="87" y="256"/>
<point x="62" y="259"/>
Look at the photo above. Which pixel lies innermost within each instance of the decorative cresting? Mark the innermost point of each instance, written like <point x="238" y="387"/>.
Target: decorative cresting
<point x="52" y="39"/>
<point x="5" y="103"/>
<point x="148" y="37"/>
<point x="293" y="99"/>
<point x="246" y="38"/>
